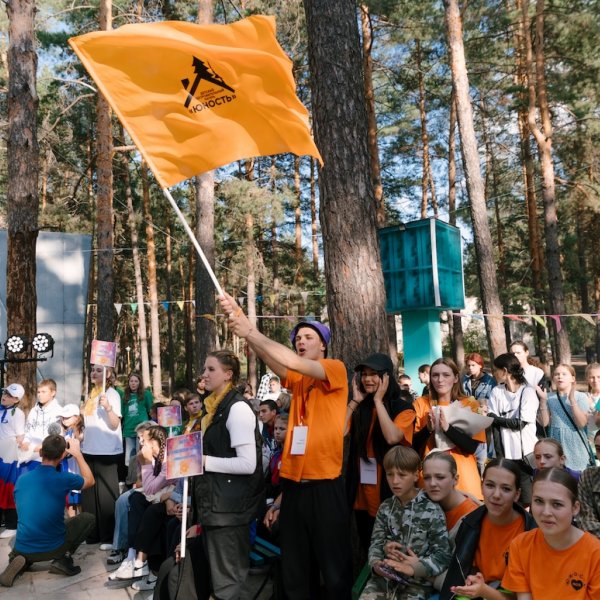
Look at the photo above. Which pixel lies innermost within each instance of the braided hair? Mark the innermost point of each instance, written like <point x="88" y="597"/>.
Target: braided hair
<point x="158" y="434"/>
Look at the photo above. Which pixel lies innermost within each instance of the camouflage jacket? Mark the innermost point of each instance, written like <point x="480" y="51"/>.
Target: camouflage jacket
<point x="420" y="525"/>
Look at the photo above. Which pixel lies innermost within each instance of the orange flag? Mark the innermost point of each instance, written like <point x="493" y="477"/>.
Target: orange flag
<point x="196" y="97"/>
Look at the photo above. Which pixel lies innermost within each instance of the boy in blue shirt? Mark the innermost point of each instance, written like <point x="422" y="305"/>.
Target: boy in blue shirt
<point x="42" y="532"/>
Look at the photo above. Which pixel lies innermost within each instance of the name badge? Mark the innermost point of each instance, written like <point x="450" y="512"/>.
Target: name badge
<point x="368" y="471"/>
<point x="299" y="435"/>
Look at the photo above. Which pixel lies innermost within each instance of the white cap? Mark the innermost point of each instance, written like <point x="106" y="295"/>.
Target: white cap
<point x="16" y="390"/>
<point x="69" y="410"/>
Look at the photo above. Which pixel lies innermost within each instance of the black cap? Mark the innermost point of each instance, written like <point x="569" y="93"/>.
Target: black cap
<point x="377" y="362"/>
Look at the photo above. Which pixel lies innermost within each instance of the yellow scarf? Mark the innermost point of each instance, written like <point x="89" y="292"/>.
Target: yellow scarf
<point x="91" y="404"/>
<point x="211" y="404"/>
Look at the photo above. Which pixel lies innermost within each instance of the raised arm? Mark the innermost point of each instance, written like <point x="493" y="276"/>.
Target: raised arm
<point x="278" y="357"/>
<point x="84" y="469"/>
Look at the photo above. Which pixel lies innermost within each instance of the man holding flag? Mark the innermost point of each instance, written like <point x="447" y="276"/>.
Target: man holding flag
<point x="312" y="509"/>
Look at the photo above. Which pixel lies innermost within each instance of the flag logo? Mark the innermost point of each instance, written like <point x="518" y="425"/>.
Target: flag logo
<point x="195" y="97"/>
<point x="203" y="72"/>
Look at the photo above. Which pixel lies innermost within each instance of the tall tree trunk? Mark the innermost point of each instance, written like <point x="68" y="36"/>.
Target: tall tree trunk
<point x="186" y="268"/>
<point x="137" y="272"/>
<point x="299" y="277"/>
<point x="353" y="273"/>
<point x="313" y="219"/>
<point x="206" y="327"/>
<point x="22" y="191"/>
<point x="104" y="202"/>
<point x="90" y="332"/>
<point x="169" y="294"/>
<point x="458" y="346"/>
<point x="490" y="298"/>
<point x="543" y="137"/>
<point x="427" y="184"/>
<point x="251" y="280"/>
<point x="156" y="373"/>
<point x="492" y="189"/>
<point x="528" y="168"/>
<point x="367" y="47"/>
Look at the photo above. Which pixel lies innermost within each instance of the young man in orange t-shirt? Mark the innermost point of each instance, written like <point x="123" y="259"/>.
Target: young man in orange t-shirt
<point x="312" y="509"/>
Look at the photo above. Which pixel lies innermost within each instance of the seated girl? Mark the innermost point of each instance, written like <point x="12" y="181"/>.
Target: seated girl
<point x="549" y="453"/>
<point x="484" y="536"/>
<point x="143" y="532"/>
<point x="558" y="561"/>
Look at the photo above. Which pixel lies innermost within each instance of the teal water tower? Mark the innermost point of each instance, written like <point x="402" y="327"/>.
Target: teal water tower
<point x="423" y="275"/>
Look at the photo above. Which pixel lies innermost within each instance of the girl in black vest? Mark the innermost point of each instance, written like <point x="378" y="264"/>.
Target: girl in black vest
<point x="229" y="493"/>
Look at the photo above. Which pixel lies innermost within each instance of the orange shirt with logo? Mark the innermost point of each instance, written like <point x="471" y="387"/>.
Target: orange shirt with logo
<point x="549" y="574"/>
<point x="491" y="556"/>
<point x="321" y="406"/>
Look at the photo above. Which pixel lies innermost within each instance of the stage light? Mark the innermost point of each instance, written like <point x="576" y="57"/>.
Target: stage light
<point x="16" y="344"/>
<point x="42" y="342"/>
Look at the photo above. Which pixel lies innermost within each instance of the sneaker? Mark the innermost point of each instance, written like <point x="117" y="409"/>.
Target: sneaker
<point x="146" y="584"/>
<point x="15" y="567"/>
<point x="64" y="566"/>
<point x="116" y="557"/>
<point x="105" y="547"/>
<point x="131" y="570"/>
<point x="8" y="533"/>
<point x="126" y="568"/>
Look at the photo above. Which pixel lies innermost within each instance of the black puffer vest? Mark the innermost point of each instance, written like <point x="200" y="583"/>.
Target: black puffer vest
<point x="222" y="499"/>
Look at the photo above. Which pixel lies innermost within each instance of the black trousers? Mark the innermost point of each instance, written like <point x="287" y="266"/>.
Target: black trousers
<point x="151" y="531"/>
<point x="137" y="507"/>
<point x="315" y="529"/>
<point x="10" y="517"/>
<point x="99" y="500"/>
<point x="364" y="526"/>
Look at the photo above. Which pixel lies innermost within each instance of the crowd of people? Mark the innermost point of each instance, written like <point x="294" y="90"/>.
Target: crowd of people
<point x="464" y="489"/>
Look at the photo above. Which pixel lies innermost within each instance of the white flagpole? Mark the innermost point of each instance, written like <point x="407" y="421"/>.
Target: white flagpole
<point x="184" y="519"/>
<point x="193" y="239"/>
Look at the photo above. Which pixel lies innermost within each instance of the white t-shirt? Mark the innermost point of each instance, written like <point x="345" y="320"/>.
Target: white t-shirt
<point x="240" y="424"/>
<point x="12" y="424"/>
<point x="98" y="437"/>
<point x="504" y="403"/>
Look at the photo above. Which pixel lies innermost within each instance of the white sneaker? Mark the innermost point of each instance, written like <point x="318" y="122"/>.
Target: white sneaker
<point x="106" y="547"/>
<point x="130" y="569"/>
<point x="143" y="585"/>
<point x="126" y="568"/>
<point x="8" y="533"/>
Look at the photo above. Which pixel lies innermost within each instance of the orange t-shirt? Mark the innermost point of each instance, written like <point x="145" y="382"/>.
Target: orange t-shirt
<point x="549" y="574"/>
<point x="469" y="480"/>
<point x="464" y="508"/>
<point x="322" y="404"/>
<point x="491" y="556"/>
<point x="368" y="497"/>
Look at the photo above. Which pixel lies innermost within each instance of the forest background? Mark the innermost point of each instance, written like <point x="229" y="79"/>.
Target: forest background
<point x="388" y="96"/>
